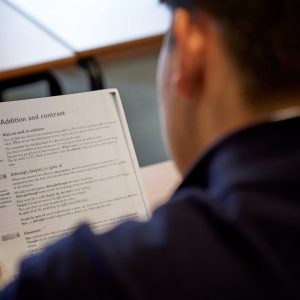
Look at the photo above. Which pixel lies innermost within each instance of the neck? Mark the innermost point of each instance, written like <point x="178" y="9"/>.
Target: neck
<point x="233" y="114"/>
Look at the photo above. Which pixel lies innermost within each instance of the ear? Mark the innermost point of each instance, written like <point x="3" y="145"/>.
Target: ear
<point x="189" y="53"/>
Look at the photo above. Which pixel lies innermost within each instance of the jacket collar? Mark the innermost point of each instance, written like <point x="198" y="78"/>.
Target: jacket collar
<point x="266" y="154"/>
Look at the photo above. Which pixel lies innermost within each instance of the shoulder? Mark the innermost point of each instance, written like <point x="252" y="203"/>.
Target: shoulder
<point x="187" y="241"/>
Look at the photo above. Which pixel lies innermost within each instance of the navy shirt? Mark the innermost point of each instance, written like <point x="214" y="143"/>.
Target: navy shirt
<point x="231" y="231"/>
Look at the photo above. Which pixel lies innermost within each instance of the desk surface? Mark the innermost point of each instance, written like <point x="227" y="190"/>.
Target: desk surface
<point x="160" y="181"/>
<point x="25" y="48"/>
<point x="93" y="27"/>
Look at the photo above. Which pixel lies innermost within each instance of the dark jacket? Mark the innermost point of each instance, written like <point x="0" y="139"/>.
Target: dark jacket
<point x="231" y="231"/>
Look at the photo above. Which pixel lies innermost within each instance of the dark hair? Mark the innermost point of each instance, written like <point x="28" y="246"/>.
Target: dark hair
<point x="262" y="38"/>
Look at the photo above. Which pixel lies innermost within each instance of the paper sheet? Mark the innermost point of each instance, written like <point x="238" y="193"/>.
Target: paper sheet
<point x="63" y="161"/>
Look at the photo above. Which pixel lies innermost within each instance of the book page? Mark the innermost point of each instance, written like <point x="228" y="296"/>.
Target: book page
<point x="64" y="160"/>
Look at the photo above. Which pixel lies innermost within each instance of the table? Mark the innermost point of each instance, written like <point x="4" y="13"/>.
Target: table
<point x="27" y="53"/>
<point x="40" y="35"/>
<point x="99" y="27"/>
<point x="106" y="29"/>
<point x="25" y="48"/>
<point x="160" y="181"/>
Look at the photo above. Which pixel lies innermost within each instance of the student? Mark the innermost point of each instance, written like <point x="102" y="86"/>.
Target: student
<point x="229" y="80"/>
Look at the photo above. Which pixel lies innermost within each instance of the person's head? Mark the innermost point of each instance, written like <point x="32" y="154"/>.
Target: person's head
<point x="226" y="64"/>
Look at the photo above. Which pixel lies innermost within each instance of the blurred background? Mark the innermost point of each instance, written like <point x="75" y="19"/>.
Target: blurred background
<point x="62" y="38"/>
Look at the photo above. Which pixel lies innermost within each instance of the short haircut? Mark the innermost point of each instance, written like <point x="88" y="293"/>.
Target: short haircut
<point x="262" y="38"/>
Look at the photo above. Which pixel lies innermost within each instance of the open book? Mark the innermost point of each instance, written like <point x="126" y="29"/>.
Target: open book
<point x="63" y="161"/>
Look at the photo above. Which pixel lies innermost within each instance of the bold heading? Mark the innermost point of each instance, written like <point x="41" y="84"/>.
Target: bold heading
<point x="32" y="118"/>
